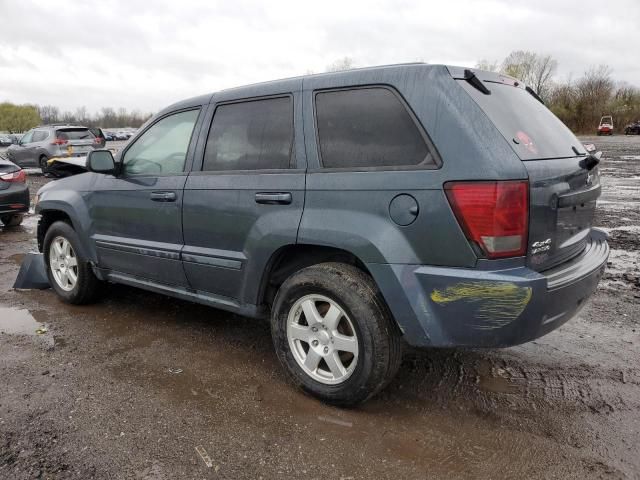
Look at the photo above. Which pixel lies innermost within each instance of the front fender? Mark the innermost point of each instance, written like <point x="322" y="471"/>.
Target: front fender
<point x="73" y="205"/>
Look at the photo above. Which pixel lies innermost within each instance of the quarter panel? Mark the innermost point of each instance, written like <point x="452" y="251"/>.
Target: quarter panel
<point x="351" y="208"/>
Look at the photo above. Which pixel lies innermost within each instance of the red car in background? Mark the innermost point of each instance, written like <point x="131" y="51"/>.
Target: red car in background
<point x="606" y="125"/>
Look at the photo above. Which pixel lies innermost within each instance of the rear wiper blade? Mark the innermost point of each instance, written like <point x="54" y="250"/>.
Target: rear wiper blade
<point x="534" y="94"/>
<point x="475" y="82"/>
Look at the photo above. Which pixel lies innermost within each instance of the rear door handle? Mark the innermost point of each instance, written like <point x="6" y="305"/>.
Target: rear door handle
<point x="269" y="198"/>
<point x="163" y="196"/>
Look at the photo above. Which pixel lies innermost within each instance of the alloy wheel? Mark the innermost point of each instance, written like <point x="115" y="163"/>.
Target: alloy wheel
<point x="323" y="339"/>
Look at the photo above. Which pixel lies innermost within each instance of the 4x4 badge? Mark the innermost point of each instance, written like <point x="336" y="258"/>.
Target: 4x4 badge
<point x="541" y="246"/>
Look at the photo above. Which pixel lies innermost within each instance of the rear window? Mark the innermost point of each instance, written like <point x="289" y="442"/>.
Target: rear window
<point x="532" y="130"/>
<point x="74" y="134"/>
<point x="368" y="127"/>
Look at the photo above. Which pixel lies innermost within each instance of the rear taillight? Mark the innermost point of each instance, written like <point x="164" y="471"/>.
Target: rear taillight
<point x="59" y="141"/>
<point x="493" y="215"/>
<point x="18" y="176"/>
<point x="97" y="140"/>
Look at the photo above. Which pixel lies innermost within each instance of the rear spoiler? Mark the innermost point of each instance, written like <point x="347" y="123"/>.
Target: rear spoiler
<point x="463" y="73"/>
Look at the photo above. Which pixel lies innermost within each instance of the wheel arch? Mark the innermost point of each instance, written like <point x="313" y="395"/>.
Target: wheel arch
<point x="294" y="257"/>
<point x="53" y="211"/>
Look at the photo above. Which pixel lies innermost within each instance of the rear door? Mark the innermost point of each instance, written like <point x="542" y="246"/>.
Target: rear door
<point x="563" y="192"/>
<point x="246" y="200"/>
<point x="99" y="135"/>
<point x="137" y="216"/>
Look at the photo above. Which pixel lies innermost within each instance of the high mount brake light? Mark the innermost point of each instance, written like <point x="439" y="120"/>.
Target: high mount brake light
<point x="19" y="177"/>
<point x="493" y="215"/>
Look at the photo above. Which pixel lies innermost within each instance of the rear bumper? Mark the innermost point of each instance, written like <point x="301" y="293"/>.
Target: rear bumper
<point x="14" y="199"/>
<point x="440" y="306"/>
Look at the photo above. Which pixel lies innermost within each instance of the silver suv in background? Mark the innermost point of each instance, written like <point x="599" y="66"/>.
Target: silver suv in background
<point x="42" y="143"/>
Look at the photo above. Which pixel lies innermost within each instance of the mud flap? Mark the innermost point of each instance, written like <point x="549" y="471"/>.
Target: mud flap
<point x="32" y="274"/>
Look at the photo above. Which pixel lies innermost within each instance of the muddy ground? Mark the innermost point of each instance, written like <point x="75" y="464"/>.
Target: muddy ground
<point x="136" y="385"/>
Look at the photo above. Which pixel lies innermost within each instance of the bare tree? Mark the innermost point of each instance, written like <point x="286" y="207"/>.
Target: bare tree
<point x="489" y="66"/>
<point x="345" y="63"/>
<point x="543" y="71"/>
<point x="593" y="94"/>
<point x="49" y="114"/>
<point x="534" y="70"/>
<point x="81" y="115"/>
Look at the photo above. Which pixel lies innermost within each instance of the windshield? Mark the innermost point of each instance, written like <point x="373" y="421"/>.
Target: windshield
<point x="530" y="128"/>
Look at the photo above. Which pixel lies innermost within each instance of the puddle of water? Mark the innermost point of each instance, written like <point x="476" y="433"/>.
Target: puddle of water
<point x="18" y="322"/>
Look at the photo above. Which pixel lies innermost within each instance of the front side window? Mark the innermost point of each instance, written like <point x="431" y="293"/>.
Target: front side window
<point x="27" y="137"/>
<point x="162" y="149"/>
<point x="367" y="127"/>
<point x="253" y="135"/>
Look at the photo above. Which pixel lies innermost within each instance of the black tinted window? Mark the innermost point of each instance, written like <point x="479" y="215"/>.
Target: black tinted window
<point x="367" y="127"/>
<point x="531" y="129"/>
<point x="74" y="134"/>
<point x="250" y="136"/>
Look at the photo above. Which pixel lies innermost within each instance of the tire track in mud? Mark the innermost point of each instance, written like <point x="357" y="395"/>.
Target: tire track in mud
<point x="487" y="384"/>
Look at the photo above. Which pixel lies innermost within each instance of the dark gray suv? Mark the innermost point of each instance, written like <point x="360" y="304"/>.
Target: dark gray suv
<point x="426" y="204"/>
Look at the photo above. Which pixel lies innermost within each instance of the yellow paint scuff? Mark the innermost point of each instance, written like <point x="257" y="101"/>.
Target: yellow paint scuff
<point x="498" y="303"/>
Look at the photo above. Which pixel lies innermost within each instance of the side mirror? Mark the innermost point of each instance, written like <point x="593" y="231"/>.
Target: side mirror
<point x="101" y="161"/>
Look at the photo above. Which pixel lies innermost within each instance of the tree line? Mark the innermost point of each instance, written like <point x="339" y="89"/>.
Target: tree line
<point x="20" y="118"/>
<point x="578" y="102"/>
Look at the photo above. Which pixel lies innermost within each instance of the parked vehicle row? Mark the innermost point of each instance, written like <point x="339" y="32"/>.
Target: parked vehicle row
<point x="344" y="208"/>
<point x="633" y="128"/>
<point x="7" y="139"/>
<point x="121" y="135"/>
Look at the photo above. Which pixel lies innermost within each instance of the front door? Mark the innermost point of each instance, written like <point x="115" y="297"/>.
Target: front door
<point x="20" y="153"/>
<point x="137" y="215"/>
<point x="246" y="201"/>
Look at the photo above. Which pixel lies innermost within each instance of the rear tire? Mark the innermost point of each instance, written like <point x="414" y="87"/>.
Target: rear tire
<point x="42" y="161"/>
<point x="12" y="220"/>
<point x="363" y="345"/>
<point x="69" y="272"/>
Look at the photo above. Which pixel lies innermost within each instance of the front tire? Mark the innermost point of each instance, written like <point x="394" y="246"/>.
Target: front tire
<point x="11" y="220"/>
<point x="334" y="334"/>
<point x="69" y="272"/>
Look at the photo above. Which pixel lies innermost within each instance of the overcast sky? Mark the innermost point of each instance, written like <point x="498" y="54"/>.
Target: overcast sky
<point x="143" y="54"/>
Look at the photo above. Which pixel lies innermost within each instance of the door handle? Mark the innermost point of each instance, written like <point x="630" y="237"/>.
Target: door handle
<point x="163" y="196"/>
<point x="273" y="198"/>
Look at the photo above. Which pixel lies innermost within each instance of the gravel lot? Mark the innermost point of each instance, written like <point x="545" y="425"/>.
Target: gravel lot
<point x="138" y="384"/>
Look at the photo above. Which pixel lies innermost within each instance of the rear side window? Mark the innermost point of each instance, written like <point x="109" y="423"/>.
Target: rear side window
<point x="74" y="134"/>
<point x="254" y="135"/>
<point x="368" y="127"/>
<point x="39" y="135"/>
<point x="533" y="131"/>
